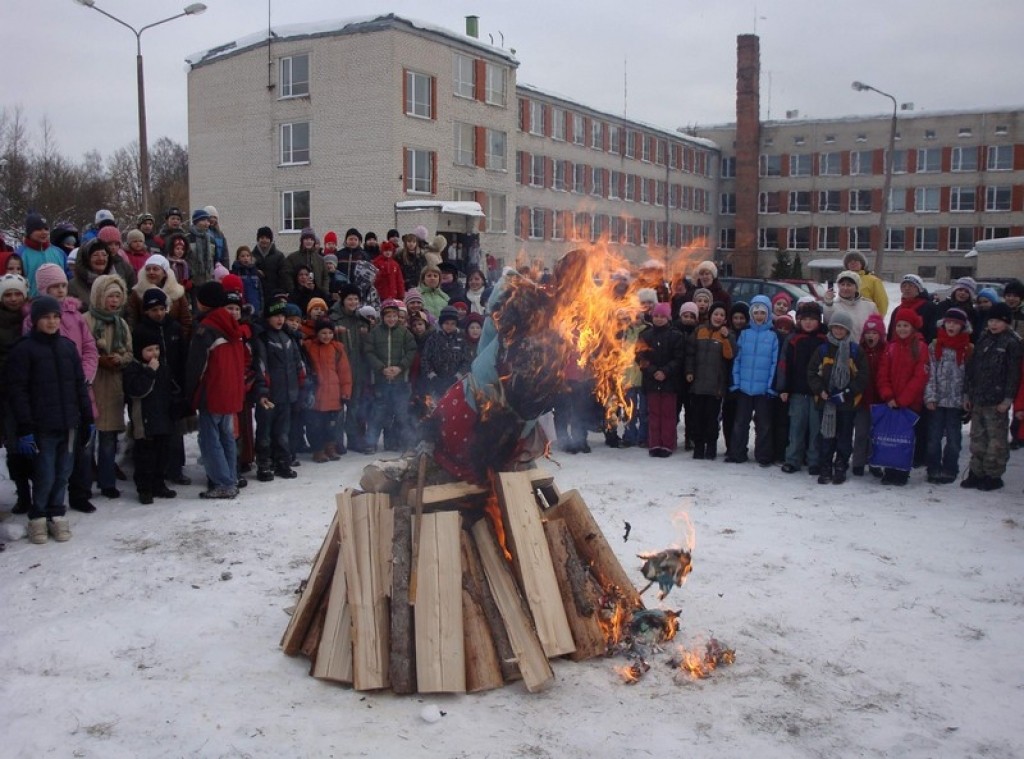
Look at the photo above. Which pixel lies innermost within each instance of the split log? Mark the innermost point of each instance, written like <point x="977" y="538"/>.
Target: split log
<point x="440" y="655"/>
<point x="316" y="585"/>
<point x="403" y="644"/>
<point x="483" y="670"/>
<point x="499" y="634"/>
<point x="314" y="633"/>
<point x="593" y="548"/>
<point x="580" y="592"/>
<point x="533" y="664"/>
<point x="333" y="660"/>
<point x="464" y="494"/>
<point x="531" y="559"/>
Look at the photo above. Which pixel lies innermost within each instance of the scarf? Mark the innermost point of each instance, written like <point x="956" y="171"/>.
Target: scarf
<point x="102" y="319"/>
<point x="839" y="379"/>
<point x="958" y="343"/>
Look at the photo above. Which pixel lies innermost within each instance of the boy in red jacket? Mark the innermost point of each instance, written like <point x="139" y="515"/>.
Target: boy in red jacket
<point x="903" y="374"/>
<point x="389" y="283"/>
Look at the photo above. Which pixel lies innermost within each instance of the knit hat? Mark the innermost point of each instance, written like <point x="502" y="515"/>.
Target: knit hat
<point x="49" y="275"/>
<point x="219" y="271"/>
<point x="142" y="218"/>
<point x="439" y="243"/>
<point x="448" y="313"/>
<point x="345" y="289"/>
<point x="34" y="222"/>
<point x="1014" y="287"/>
<point x="391" y="303"/>
<point x="200" y="214"/>
<point x="158" y="260"/>
<point x="784" y="320"/>
<point x="703" y="292"/>
<point x="689" y="308"/>
<point x="783" y="296"/>
<point x="173" y="211"/>
<point x="104" y="218"/>
<point x="42" y="306"/>
<point x="662" y="309"/>
<point x="353" y="231"/>
<point x="841" y="319"/>
<point x="109" y="235"/>
<point x="315" y="303"/>
<point x="321" y="324"/>
<point x="908" y="315"/>
<point x="965" y="283"/>
<point x="647" y="295"/>
<point x="874" y="323"/>
<point x="387" y="246"/>
<point x="134" y="235"/>
<point x="13" y="282"/>
<point x="369" y="312"/>
<point x="957" y="315"/>
<point x="330" y="258"/>
<point x="153" y="297"/>
<point x="1002" y="312"/>
<point x="276" y="307"/>
<point x="307" y="232"/>
<point x="369" y="236"/>
<point x="852" y="276"/>
<point x="234" y="288"/>
<point x="211" y="211"/>
<point x="392" y="233"/>
<point x="412" y="295"/>
<point x="330" y="236"/>
<point x="718" y="305"/>
<point x="740" y="308"/>
<point x="290" y="309"/>
<point x="474" y="319"/>
<point x="421" y="232"/>
<point x="915" y="280"/>
<point x="265" y="232"/>
<point x="708" y="266"/>
<point x="211" y="295"/>
<point x="855" y="255"/>
<point x="990" y="295"/>
<point x="809" y="310"/>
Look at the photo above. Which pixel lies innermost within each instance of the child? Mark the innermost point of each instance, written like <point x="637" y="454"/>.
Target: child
<point x="351" y="428"/>
<point x="293" y="320"/>
<point x="330" y="366"/>
<point x="944" y="395"/>
<point x="903" y="374"/>
<point x="660" y="357"/>
<point x="150" y="390"/>
<point x="991" y="383"/>
<point x="245" y="269"/>
<point x="414" y="301"/>
<point x="390" y="349"/>
<point x="837" y="375"/>
<point x="175" y="250"/>
<point x="987" y="297"/>
<point x="444" y="355"/>
<point x="430" y="292"/>
<point x="708" y="358"/>
<point x="278" y="370"/>
<point x="316" y="310"/>
<point x="389" y="282"/>
<point x="702" y="297"/>
<point x="872" y="344"/>
<point x="13" y="292"/>
<point x="46" y="388"/>
<point x="781" y="304"/>
<point x="687" y="323"/>
<point x="753" y="376"/>
<point x="474" y="329"/>
<point x="795" y="390"/>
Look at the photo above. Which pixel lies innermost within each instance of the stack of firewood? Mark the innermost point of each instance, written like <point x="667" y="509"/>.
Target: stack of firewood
<point x="454" y="588"/>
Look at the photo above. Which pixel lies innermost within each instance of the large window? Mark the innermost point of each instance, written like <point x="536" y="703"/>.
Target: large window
<point x="614" y="182"/>
<point x="419" y="170"/>
<point x="929" y="160"/>
<point x="579" y="178"/>
<point x="497" y="219"/>
<point x="800" y="165"/>
<point x="536" y="116"/>
<point x="631" y="143"/>
<point x="727" y="203"/>
<point x="860" y="238"/>
<point x="465" y="144"/>
<point x="1000" y="157"/>
<point x="497" y="84"/>
<point x="295" y="215"/>
<point x="537" y="171"/>
<point x="961" y="238"/>
<point x="418" y="95"/>
<point x="536" y="223"/>
<point x="577" y="129"/>
<point x="800" y="201"/>
<point x="963" y="199"/>
<point x="597" y="181"/>
<point x="645" y="149"/>
<point x="295" y="143"/>
<point x="895" y="238"/>
<point x="558" y="225"/>
<point x="630" y="187"/>
<point x="463" y="76"/>
<point x="558" y="180"/>
<point x="770" y="165"/>
<point x="729" y="168"/>
<point x="926" y="238"/>
<point x="768" y="202"/>
<point x="997" y="198"/>
<point x="995" y="233"/>
<point x="828" y="238"/>
<point x="294" y="76"/>
<point x="613" y="139"/>
<point x="767" y="238"/>
<point x="860" y="201"/>
<point x="557" y="124"/>
<point x="798" y="238"/>
<point x="861" y="162"/>
<point x="727" y="238"/>
<point x="597" y="134"/>
<point x="828" y="201"/>
<point x="899" y="161"/>
<point x="830" y="164"/>
<point x="897" y="200"/>
<point x="926" y="199"/>
<point x="496" y="151"/>
<point x="964" y="158"/>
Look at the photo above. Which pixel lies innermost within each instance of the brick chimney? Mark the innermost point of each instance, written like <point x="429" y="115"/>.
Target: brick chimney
<point x="748" y="147"/>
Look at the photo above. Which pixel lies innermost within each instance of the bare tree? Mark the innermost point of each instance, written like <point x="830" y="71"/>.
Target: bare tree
<point x="168" y="175"/>
<point x="16" y="171"/>
<point x="126" y="191"/>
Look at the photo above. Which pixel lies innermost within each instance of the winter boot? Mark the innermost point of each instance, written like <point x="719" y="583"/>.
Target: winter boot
<point x="711" y="451"/>
<point x="698" y="450"/>
<point x="990" y="483"/>
<point x="826" y="475"/>
<point x="37" y="531"/>
<point x="320" y="457"/>
<point x="972" y="480"/>
<point x="285" y="473"/>
<point x="59" y="529"/>
<point x="611" y="439"/>
<point x="145" y="497"/>
<point x="331" y="451"/>
<point x="264" y="474"/>
<point x="838" y="476"/>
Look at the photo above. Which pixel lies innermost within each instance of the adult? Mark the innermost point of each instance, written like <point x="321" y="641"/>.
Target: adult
<point x="411" y="259"/>
<point x="220" y="242"/>
<point x="682" y="292"/>
<point x="157" y="274"/>
<point x="306" y="290"/>
<point x="850" y="302"/>
<point x="871" y="287"/>
<point x="200" y="255"/>
<point x="270" y="262"/>
<point x="707" y="277"/>
<point x="915" y="297"/>
<point x="36" y="250"/>
<point x="94" y="261"/>
<point x="652" y="274"/>
<point x="111" y="237"/>
<point x="477" y="291"/>
<point x="307" y="255"/>
<point x="103" y="218"/>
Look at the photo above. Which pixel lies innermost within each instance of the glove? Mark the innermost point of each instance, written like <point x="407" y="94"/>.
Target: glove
<point x="27" y="445"/>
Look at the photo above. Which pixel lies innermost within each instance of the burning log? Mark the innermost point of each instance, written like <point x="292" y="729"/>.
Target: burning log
<point x="580" y="592"/>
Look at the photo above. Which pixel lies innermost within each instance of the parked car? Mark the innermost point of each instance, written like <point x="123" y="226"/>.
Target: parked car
<point x="745" y="288"/>
<point x="817" y="289"/>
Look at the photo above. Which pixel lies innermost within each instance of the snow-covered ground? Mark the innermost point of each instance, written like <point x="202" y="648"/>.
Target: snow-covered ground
<point x="868" y="621"/>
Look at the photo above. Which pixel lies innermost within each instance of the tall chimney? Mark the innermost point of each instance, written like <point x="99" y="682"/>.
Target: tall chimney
<point x="748" y="149"/>
<point x="473" y="26"/>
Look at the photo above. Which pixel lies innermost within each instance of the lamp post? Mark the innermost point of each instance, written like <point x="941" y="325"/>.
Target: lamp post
<point x="883" y="216"/>
<point x="190" y="10"/>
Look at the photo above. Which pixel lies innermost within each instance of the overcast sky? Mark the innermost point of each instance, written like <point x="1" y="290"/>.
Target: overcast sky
<point x="73" y="66"/>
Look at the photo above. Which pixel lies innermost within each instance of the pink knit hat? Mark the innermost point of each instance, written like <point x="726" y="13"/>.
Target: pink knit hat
<point x="662" y="309"/>
<point x="109" y="234"/>
<point x="49" y="275"/>
<point x="413" y="294"/>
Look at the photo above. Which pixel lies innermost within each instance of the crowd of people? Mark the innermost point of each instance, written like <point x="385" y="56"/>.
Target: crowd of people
<point x="133" y="340"/>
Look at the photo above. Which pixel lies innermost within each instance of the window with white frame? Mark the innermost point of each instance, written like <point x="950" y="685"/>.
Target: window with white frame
<point x="295" y="210"/>
<point x="645" y="148"/>
<point x="536" y="117"/>
<point x="998" y="198"/>
<point x="596" y="181"/>
<point x="418" y="95"/>
<point x="464" y="144"/>
<point x="727" y="238"/>
<point x="632" y="232"/>
<point x="830" y="164"/>
<point x="860" y="201"/>
<point x="599" y="225"/>
<point x="964" y="158"/>
<point x="536" y="224"/>
<point x="577" y="129"/>
<point x="929" y="160"/>
<point x="419" y="176"/>
<point x="899" y="161"/>
<point x="294" y="76"/>
<point x="558" y="176"/>
<point x="497" y="214"/>
<point x="1000" y="157"/>
<point x="729" y="167"/>
<point x="828" y="238"/>
<point x="727" y="203"/>
<point x="798" y="238"/>
<point x="645" y="190"/>
<point x="767" y="238"/>
<point x="1002" y="129"/>
<point x="614" y="182"/>
<point x="660" y="190"/>
<point x="926" y="199"/>
<point x="463" y="195"/>
<point x="897" y="200"/>
<point x="800" y="165"/>
<point x="579" y="178"/>
<point x="536" y="171"/>
<point x="295" y="143"/>
<point x="926" y="238"/>
<point x="581" y="227"/>
<point x="829" y="201"/>
<point x="496" y="150"/>
<point x="770" y="165"/>
<point x="631" y="137"/>
<point x="961" y="238"/>
<point x="768" y="202"/>
<point x="661" y="149"/>
<point x="964" y="132"/>
<point x="996" y="233"/>
<point x="519" y="167"/>
<point x="497" y="84"/>
<point x="799" y="201"/>
<point x="613" y="139"/>
<point x="558" y="124"/>
<point x="597" y="134"/>
<point x="464" y="78"/>
<point x="963" y="199"/>
<point x="860" y="238"/>
<point x="558" y="225"/>
<point x="861" y="162"/>
<point x="630" y="187"/>
<point x="895" y="238"/>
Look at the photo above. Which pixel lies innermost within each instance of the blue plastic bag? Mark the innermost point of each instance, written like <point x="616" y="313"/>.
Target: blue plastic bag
<point x="892" y="437"/>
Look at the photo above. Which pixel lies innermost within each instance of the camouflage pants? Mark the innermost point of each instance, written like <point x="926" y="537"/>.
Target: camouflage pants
<point x="989" y="448"/>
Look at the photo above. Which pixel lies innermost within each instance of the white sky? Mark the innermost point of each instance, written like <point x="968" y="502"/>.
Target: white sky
<point x="76" y="68"/>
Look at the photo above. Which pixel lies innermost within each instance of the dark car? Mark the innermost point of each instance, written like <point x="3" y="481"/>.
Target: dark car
<point x="745" y="288"/>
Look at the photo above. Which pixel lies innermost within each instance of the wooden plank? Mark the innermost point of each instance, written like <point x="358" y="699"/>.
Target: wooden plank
<point x="402" y="662"/>
<point x="440" y="656"/>
<point x="593" y="548"/>
<point x="451" y="493"/>
<point x="531" y="560"/>
<point x="311" y="642"/>
<point x="533" y="663"/>
<point x="483" y="670"/>
<point x="580" y="592"/>
<point x="333" y="660"/>
<point x="316" y="585"/>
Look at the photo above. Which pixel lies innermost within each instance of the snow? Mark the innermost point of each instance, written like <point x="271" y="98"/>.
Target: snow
<point x="868" y="621"/>
<point x="460" y="207"/>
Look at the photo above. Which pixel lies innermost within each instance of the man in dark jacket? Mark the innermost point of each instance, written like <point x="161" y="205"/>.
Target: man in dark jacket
<point x="306" y="255"/>
<point x="201" y="248"/>
<point x="278" y="370"/>
<point x="270" y="262"/>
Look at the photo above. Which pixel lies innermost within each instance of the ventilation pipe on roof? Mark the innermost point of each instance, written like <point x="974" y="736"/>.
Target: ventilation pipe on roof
<point x="473" y="27"/>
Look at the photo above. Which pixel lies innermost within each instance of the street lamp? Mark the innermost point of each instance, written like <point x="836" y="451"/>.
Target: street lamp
<point x="883" y="216"/>
<point x="190" y="10"/>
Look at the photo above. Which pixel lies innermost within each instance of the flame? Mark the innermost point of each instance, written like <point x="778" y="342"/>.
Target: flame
<point x="493" y="512"/>
<point x="684" y="525"/>
<point x="700" y="664"/>
<point x="631" y="673"/>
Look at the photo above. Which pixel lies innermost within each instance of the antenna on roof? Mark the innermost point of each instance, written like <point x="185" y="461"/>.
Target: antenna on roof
<point x="625" y="85"/>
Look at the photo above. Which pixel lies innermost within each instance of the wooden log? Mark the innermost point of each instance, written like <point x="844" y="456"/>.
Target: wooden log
<point x="452" y="494"/>
<point x="366" y="525"/>
<point x="314" y="633"/>
<point x="580" y="592"/>
<point x="507" y="660"/>
<point x="533" y="663"/>
<point x="531" y="560"/>
<point x="593" y="548"/>
<point x="403" y="643"/>
<point x="483" y="671"/>
<point x="316" y="585"/>
<point x="440" y="655"/>
<point x="333" y="660"/>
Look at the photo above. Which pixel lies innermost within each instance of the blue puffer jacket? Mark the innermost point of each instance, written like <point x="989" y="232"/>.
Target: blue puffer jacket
<point x="753" y="371"/>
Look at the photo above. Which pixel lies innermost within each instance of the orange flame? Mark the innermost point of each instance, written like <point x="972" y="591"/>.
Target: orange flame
<point x="613" y="621"/>
<point x="493" y="512"/>
<point x="700" y="664"/>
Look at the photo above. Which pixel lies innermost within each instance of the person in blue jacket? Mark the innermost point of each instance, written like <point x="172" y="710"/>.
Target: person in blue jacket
<point x="753" y="378"/>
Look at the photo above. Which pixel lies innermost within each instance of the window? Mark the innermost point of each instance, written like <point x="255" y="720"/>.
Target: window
<point x="660" y="190"/>
<point x="727" y="238"/>
<point x="928" y="272"/>
<point x="599" y="224"/>
<point x="558" y="181"/>
<point x="899" y="161"/>
<point x="860" y="162"/>
<point x="597" y="181"/>
<point x="830" y="139"/>
<point x="558" y="226"/>
<point x="828" y="238"/>
<point x="962" y="198"/>
<point x="926" y="199"/>
<point x="463" y="195"/>
<point x="613" y="139"/>
<point x="800" y="165"/>
<point x="828" y="201"/>
<point x="630" y="187"/>
<point x="860" y="238"/>
<point x="295" y="210"/>
<point x="645" y="150"/>
<point x="798" y="238"/>
<point x="767" y="238"/>
<point x="961" y="238"/>
<point x="465" y="144"/>
<point x="964" y="132"/>
<point x="768" y="202"/>
<point x="995" y="233"/>
<point x="1000" y="157"/>
<point x="897" y="200"/>
<point x="497" y="219"/>
<point x="597" y="135"/>
<point x="464" y="78"/>
<point x="519" y="167"/>
<point x="536" y="117"/>
<point x="862" y="137"/>
<point x="295" y="143"/>
<point x="799" y="140"/>
<point x="496" y="84"/>
<point x="771" y="165"/>
<point x="1002" y="129"/>
<point x="727" y="203"/>
<point x="582" y="226"/>
<point x="830" y="164"/>
<point x="929" y="134"/>
<point x="536" y="224"/>
<point x="577" y="129"/>
<point x="614" y="182"/>
<point x="860" y="201"/>
<point x="926" y="238"/>
<point x="929" y="160"/>
<point x="997" y="198"/>
<point x="537" y="171"/>
<point x="579" y="178"/>
<point x="729" y="168"/>
<point x="964" y="159"/>
<point x="419" y="174"/>
<point x="661" y="149"/>
<point x="418" y="96"/>
<point x="558" y="124"/>
<point x="645" y="190"/>
<point x="799" y="201"/>
<point x="895" y="238"/>
<point x="495" y="153"/>
<point x="294" y="76"/>
<point x="630" y="144"/>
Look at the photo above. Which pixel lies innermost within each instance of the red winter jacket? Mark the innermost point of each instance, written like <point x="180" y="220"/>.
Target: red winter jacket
<point x="389" y="283"/>
<point x="903" y="373"/>
<point x="215" y="372"/>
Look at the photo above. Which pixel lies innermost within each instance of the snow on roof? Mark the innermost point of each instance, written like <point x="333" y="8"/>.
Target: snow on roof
<point x="460" y="207"/>
<point x="853" y="119"/>
<point x="342" y="26"/>
<point x="699" y="141"/>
